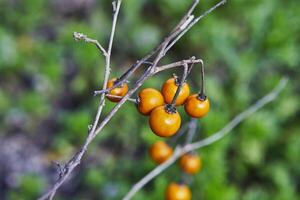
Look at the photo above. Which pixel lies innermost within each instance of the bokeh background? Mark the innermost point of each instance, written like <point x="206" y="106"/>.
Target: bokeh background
<point x="46" y="102"/>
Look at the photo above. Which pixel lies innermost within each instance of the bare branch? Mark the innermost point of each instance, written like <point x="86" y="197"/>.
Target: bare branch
<point x="181" y="63"/>
<point x="194" y="22"/>
<point x="155" y="172"/>
<point x="187" y="22"/>
<point x="116" y="9"/>
<point x="179" y="151"/>
<point x="157" y="70"/>
<point x="239" y="118"/>
<point x="187" y="15"/>
<point x="181" y="26"/>
<point x="81" y="36"/>
<point x="75" y="160"/>
<point x="107" y="68"/>
<point x="182" y="81"/>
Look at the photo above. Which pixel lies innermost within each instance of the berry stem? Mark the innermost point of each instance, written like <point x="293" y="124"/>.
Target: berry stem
<point x="192" y="127"/>
<point x="185" y="72"/>
<point x="202" y="92"/>
<point x="174" y="139"/>
<point x="130" y="70"/>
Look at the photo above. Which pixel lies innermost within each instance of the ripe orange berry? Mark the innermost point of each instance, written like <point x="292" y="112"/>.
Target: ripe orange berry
<point x="196" y="106"/>
<point x="160" y="152"/>
<point x="169" y="88"/>
<point x="118" y="91"/>
<point x="190" y="163"/>
<point x="178" y="192"/>
<point x="148" y="99"/>
<point x="163" y="122"/>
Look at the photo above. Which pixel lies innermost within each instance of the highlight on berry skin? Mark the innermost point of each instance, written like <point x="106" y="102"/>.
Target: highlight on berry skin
<point x="148" y="99"/>
<point x="163" y="122"/>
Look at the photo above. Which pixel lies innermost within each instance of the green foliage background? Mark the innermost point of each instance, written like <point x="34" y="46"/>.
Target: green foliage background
<point x="47" y="81"/>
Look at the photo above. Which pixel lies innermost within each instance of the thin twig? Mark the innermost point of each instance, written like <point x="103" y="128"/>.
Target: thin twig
<point x="192" y="60"/>
<point x="75" y="160"/>
<point x="161" y="49"/>
<point x="194" y="22"/>
<point x="202" y="88"/>
<point x="239" y="118"/>
<point x="81" y="36"/>
<point x="186" y="17"/>
<point x="145" y="76"/>
<point x="182" y="81"/>
<point x="124" y="77"/>
<point x="179" y="151"/>
<point x="181" y="131"/>
<point x="116" y="10"/>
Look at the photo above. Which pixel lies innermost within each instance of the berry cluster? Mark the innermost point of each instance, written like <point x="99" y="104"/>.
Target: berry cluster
<point x="164" y="118"/>
<point x="165" y="121"/>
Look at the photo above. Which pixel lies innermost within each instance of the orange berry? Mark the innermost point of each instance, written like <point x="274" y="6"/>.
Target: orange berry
<point x="178" y="192"/>
<point x="118" y="91"/>
<point x="196" y="107"/>
<point x="164" y="123"/>
<point x="169" y="88"/>
<point x="148" y="99"/>
<point x="190" y="163"/>
<point x="160" y="152"/>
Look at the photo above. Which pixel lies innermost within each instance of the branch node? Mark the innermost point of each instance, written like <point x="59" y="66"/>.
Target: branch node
<point x="79" y="36"/>
<point x="60" y="168"/>
<point x="187" y="22"/>
<point x="98" y="92"/>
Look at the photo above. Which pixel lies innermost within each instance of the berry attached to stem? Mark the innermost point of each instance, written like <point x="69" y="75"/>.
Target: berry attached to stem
<point x="163" y="122"/>
<point x="197" y="107"/>
<point x="169" y="89"/>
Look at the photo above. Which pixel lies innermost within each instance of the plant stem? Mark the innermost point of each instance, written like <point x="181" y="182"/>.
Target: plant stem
<point x="202" y="92"/>
<point x="182" y="81"/>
